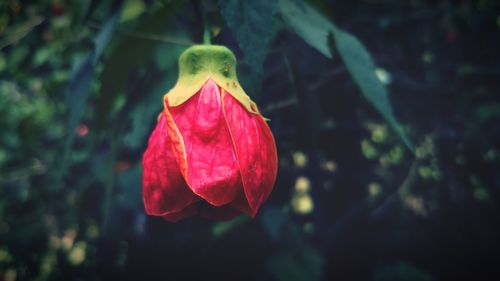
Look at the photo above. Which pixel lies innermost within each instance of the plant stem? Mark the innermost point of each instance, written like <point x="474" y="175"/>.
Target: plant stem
<point x="206" y="36"/>
<point x="207" y="40"/>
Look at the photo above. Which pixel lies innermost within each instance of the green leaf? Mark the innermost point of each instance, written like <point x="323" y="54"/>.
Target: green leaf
<point x="146" y="112"/>
<point x="82" y="74"/>
<point x="43" y="55"/>
<point x="222" y="228"/>
<point x="17" y="56"/>
<point x="129" y="55"/>
<point x="316" y="30"/>
<point x="253" y="23"/>
<point x="132" y="9"/>
<point x="362" y="69"/>
<point x="129" y="187"/>
<point x="308" y="24"/>
<point x="79" y="86"/>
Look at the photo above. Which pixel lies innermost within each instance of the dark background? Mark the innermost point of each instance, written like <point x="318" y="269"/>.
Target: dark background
<point x="81" y="85"/>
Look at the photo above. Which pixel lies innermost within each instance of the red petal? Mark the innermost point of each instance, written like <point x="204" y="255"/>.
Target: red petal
<point x="225" y="212"/>
<point x="204" y="147"/>
<point x="240" y="203"/>
<point x="187" y="212"/>
<point x="164" y="188"/>
<point x="256" y="150"/>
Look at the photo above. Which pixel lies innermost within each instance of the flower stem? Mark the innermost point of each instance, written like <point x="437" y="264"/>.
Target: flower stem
<point x="207" y="40"/>
<point x="206" y="36"/>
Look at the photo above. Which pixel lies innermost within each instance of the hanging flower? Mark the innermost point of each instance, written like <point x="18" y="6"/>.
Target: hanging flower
<point x="211" y="152"/>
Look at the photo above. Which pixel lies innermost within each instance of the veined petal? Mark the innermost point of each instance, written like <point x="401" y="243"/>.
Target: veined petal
<point x="164" y="188"/>
<point x="204" y="147"/>
<point x="255" y="148"/>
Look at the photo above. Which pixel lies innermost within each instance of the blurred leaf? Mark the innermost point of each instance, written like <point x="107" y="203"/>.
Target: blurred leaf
<point x="105" y="35"/>
<point x="167" y="56"/>
<point x="145" y="112"/>
<point x="274" y="222"/>
<point x="308" y="24"/>
<point x="362" y="70"/>
<point x="253" y="23"/>
<point x="132" y="9"/>
<point x="316" y="30"/>
<point x="25" y="120"/>
<point x="128" y="56"/>
<point x="79" y="85"/>
<point x="17" y="56"/>
<point x="17" y="33"/>
<point x="81" y="78"/>
<point x="129" y="183"/>
<point x="222" y="228"/>
<point x="92" y="7"/>
<point x="78" y="11"/>
<point x="368" y="149"/>
<point x="3" y="62"/>
<point x="488" y="111"/>
<point x="43" y="55"/>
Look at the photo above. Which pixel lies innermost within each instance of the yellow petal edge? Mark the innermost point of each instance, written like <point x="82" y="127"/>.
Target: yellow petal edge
<point x="199" y="63"/>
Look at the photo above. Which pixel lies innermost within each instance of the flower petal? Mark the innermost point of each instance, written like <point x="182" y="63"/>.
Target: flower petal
<point x="187" y="212"/>
<point x="204" y="147"/>
<point x="164" y="189"/>
<point x="240" y="203"/>
<point x="256" y="150"/>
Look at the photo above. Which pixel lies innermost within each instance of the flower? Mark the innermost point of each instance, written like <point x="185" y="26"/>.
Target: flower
<point x="211" y="152"/>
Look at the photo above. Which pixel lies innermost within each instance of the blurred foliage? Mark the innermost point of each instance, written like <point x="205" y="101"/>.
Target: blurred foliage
<point x="253" y="24"/>
<point x="81" y="84"/>
<point x="317" y="30"/>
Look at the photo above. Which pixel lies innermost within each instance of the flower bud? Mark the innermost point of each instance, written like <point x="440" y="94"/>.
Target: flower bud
<point x="211" y="153"/>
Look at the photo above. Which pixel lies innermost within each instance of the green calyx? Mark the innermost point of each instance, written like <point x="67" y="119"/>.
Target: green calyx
<point x="208" y="58"/>
<point x="199" y="63"/>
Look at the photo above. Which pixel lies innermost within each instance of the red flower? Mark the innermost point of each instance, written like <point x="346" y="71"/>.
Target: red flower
<point x="211" y="152"/>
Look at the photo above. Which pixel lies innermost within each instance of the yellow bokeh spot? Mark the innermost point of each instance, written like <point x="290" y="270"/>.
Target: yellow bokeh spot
<point x="379" y="133"/>
<point x="416" y="204"/>
<point x="77" y="255"/>
<point x="300" y="159"/>
<point x="5" y="257"/>
<point x="10" y="275"/>
<point x="68" y="239"/>
<point x="92" y="231"/>
<point x="368" y="150"/>
<point x="384" y="76"/>
<point x="302" y="204"/>
<point x="329" y="166"/>
<point x="374" y="189"/>
<point x="302" y="185"/>
<point x="54" y="242"/>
